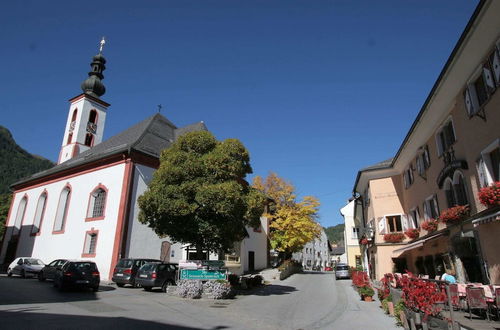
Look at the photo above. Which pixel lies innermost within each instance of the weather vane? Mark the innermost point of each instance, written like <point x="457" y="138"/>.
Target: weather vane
<point x="103" y="41"/>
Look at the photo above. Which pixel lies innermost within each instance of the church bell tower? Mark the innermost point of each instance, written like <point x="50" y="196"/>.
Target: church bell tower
<point x="87" y="113"/>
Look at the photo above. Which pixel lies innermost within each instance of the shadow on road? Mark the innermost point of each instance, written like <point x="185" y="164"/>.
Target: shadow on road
<point x="268" y="290"/>
<point x="28" y="319"/>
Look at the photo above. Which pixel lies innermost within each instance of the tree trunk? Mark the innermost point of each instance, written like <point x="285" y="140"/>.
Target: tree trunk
<point x="199" y="252"/>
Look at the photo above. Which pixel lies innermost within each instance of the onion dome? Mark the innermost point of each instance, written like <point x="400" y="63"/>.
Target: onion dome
<point x="93" y="85"/>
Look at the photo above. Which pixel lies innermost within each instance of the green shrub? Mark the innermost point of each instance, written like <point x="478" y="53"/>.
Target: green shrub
<point x="366" y="291"/>
<point x="385" y="306"/>
<point x="400" y="306"/>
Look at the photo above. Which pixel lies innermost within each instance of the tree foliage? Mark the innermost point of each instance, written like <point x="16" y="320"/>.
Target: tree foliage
<point x="335" y="234"/>
<point x="198" y="194"/>
<point x="293" y="224"/>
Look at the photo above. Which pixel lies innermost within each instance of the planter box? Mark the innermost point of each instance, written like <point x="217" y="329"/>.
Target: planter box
<point x="434" y="323"/>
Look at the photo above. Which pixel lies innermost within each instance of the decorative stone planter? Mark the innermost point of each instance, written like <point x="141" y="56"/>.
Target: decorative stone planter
<point x="368" y="298"/>
<point x="434" y="323"/>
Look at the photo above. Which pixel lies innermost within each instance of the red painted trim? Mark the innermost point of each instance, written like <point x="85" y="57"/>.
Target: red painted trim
<point x="90" y="255"/>
<point x="77" y="171"/>
<point x="125" y="194"/>
<point x="65" y="216"/>
<point x="103" y="187"/>
<point x="76" y="150"/>
<point x="7" y="223"/>
<point x="42" y="216"/>
<point x="22" y="220"/>
<point x="91" y="98"/>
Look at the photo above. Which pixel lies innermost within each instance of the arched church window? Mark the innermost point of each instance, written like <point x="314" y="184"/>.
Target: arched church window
<point x="73" y="118"/>
<point x="97" y="203"/>
<point x="21" y="210"/>
<point x="70" y="137"/>
<point x="93" y="117"/>
<point x="39" y="213"/>
<point x="62" y="210"/>
<point x="89" y="139"/>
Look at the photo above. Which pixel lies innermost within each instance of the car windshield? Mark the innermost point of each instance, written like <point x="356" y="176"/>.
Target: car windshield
<point x="31" y="261"/>
<point x="125" y="263"/>
<point x="342" y="267"/>
<point x="148" y="267"/>
<point x="82" y="266"/>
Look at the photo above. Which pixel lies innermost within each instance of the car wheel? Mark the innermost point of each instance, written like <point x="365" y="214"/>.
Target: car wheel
<point x="165" y="286"/>
<point x="147" y="288"/>
<point x="23" y="273"/>
<point x="96" y="288"/>
<point x="9" y="273"/>
<point x="41" y="278"/>
<point x="120" y="285"/>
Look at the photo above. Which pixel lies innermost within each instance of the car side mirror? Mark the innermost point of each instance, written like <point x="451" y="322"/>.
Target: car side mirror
<point x="20" y="262"/>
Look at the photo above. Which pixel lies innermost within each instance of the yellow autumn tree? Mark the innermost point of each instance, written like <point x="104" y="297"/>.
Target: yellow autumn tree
<point x="293" y="224"/>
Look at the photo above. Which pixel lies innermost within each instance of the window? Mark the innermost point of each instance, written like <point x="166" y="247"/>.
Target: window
<point x="488" y="166"/>
<point x="21" y="210"/>
<point x="355" y="232"/>
<point x="89" y="248"/>
<point x="445" y="137"/>
<point x="39" y="212"/>
<point x="97" y="203"/>
<point x="415" y="217"/>
<point x="358" y="260"/>
<point x="62" y="210"/>
<point x="431" y="209"/>
<point x="89" y="139"/>
<point x="423" y="161"/>
<point x="394" y="223"/>
<point x="455" y="190"/>
<point x="408" y="177"/>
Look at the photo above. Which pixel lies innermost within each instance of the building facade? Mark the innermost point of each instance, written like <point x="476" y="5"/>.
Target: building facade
<point x="450" y="153"/>
<point x="352" y="236"/>
<point x="316" y="254"/>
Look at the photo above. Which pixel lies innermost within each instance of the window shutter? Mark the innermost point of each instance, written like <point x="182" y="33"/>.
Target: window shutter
<point x="473" y="98"/>
<point x="435" y="206"/>
<point x="405" y="179"/>
<point x="468" y="102"/>
<point x="417" y="218"/>
<point x="427" y="157"/>
<point x="481" y="171"/>
<point x="439" y="144"/>
<point x="488" y="79"/>
<point x="382" y="226"/>
<point x="427" y="215"/>
<point x="420" y="168"/>
<point x="496" y="64"/>
<point x="404" y="222"/>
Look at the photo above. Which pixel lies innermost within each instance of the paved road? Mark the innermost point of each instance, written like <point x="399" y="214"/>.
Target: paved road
<point x="303" y="301"/>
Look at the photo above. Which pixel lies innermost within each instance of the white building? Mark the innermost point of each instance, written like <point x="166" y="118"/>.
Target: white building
<point x="315" y="254"/>
<point x="86" y="206"/>
<point x="352" y="232"/>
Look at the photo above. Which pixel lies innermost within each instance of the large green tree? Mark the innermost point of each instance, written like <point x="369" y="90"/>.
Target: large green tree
<point x="199" y="194"/>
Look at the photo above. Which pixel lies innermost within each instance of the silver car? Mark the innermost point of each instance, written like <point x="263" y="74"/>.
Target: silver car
<point x="24" y="266"/>
<point x="341" y="271"/>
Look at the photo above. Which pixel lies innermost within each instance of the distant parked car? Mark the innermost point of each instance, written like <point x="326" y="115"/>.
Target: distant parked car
<point x="342" y="271"/>
<point x="49" y="271"/>
<point x="126" y="270"/>
<point x="328" y="269"/>
<point x="24" y="266"/>
<point x="77" y="274"/>
<point x="153" y="275"/>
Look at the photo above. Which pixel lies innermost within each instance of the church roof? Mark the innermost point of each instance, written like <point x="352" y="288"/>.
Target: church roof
<point x="148" y="137"/>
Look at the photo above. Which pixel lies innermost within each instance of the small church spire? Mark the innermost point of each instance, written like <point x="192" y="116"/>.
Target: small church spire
<point x="93" y="85"/>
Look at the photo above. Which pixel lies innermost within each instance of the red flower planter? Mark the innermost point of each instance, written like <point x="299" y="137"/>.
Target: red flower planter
<point x="394" y="237"/>
<point x="430" y="225"/>
<point x="490" y="196"/>
<point x="454" y="214"/>
<point x="412" y="233"/>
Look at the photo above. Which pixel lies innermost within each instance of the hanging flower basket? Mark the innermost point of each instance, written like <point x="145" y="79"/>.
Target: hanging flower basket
<point x="364" y="241"/>
<point x="490" y="196"/>
<point x="430" y="225"/>
<point x="394" y="237"/>
<point x="454" y="214"/>
<point x="412" y="233"/>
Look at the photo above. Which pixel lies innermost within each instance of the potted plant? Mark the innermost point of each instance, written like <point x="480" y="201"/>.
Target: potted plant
<point x="412" y="233"/>
<point x="454" y="214"/>
<point x="394" y="237"/>
<point x="364" y="241"/>
<point x="366" y="293"/>
<point x="490" y="196"/>
<point x="430" y="225"/>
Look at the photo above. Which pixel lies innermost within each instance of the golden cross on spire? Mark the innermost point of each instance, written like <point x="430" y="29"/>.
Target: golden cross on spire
<point x="103" y="41"/>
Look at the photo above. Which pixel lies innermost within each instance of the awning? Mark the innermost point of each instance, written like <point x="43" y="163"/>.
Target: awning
<point x="486" y="219"/>
<point x="416" y="244"/>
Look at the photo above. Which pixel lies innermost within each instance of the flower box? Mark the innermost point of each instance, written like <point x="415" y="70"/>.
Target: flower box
<point x="412" y="233"/>
<point x="394" y="237"/>
<point x="454" y="214"/>
<point x="364" y="241"/>
<point x="430" y="225"/>
<point x="490" y="196"/>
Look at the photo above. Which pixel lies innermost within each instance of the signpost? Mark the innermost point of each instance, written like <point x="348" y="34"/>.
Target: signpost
<point x="202" y="270"/>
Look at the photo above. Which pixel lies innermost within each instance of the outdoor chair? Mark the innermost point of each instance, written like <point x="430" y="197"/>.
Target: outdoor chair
<point x="455" y="298"/>
<point x="476" y="300"/>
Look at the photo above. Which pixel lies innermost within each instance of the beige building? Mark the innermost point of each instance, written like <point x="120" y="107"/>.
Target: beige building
<point x="450" y="152"/>
<point x="351" y="235"/>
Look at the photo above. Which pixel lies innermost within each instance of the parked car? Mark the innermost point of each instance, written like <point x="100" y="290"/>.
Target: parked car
<point x="49" y="271"/>
<point x="328" y="269"/>
<point x="77" y="274"/>
<point x="126" y="270"/>
<point x="24" y="266"/>
<point x="342" y="271"/>
<point x="155" y="274"/>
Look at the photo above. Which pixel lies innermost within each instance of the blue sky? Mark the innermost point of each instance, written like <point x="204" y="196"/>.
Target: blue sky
<point x="315" y="90"/>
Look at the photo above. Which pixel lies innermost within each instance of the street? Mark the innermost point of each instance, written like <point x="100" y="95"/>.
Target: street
<point x="304" y="301"/>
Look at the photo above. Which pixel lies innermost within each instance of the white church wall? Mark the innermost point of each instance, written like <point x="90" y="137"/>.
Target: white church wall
<point x="70" y="243"/>
<point x="256" y="242"/>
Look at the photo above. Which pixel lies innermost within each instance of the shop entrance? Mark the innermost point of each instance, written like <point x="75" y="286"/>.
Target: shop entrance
<point x="466" y="249"/>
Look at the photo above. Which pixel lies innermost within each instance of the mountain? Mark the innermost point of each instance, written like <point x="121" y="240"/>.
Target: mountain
<point x="335" y="234"/>
<point x="15" y="164"/>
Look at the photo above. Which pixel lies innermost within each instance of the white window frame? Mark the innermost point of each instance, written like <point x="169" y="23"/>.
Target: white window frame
<point x="355" y="233"/>
<point x="440" y="147"/>
<point x="427" y="205"/>
<point x="488" y="166"/>
<point x="39" y="213"/>
<point x="414" y="216"/>
<point x="408" y="177"/>
<point x="20" y="214"/>
<point x="62" y="210"/>
<point x="388" y="228"/>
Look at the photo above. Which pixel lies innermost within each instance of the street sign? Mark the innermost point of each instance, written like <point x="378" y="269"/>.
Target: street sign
<point x="202" y="274"/>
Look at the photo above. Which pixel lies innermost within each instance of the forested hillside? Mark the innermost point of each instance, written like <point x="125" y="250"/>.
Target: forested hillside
<point x="335" y="234"/>
<point x="15" y="164"/>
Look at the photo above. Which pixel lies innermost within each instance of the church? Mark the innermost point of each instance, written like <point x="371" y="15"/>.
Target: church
<point x="86" y="207"/>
